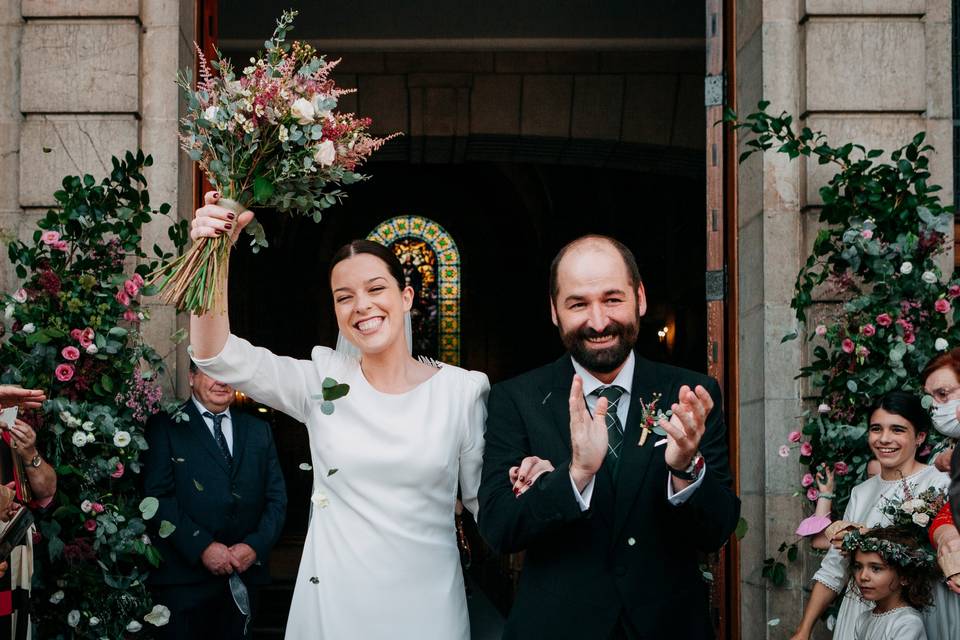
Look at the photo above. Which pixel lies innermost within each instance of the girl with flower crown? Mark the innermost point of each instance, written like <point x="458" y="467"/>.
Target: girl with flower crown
<point x="897" y="428"/>
<point x="890" y="569"/>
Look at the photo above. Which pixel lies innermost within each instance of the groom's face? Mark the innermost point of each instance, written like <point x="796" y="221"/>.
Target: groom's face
<point x="597" y="308"/>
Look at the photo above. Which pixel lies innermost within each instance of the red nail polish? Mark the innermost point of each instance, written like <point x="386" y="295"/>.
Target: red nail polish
<point x="522" y="478"/>
<point x="231" y="216"/>
<point x="229" y="225"/>
<point x="516" y="491"/>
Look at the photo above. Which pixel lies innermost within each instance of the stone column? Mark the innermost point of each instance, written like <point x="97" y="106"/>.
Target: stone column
<point x="874" y="72"/>
<point x="11" y="31"/>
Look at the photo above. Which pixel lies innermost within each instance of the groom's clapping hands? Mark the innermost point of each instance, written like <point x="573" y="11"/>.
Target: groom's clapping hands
<point x="588" y="436"/>
<point x="686" y="426"/>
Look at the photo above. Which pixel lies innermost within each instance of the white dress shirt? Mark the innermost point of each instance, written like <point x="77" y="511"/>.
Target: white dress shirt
<point x="623" y="380"/>
<point x="226" y="425"/>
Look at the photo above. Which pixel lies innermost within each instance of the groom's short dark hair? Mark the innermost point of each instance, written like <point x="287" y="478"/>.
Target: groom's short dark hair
<point x="629" y="261"/>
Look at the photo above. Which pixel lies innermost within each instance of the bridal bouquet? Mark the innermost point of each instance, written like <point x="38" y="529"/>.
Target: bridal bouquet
<point x="917" y="510"/>
<point x="270" y="137"/>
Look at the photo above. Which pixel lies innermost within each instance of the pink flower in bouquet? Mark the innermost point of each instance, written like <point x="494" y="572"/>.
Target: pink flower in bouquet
<point x="49" y="237"/>
<point x="119" y="472"/>
<point x="867" y="234"/>
<point x="75" y="334"/>
<point x="70" y="353"/>
<point x="807" y="479"/>
<point x="847" y="345"/>
<point x="812" y="494"/>
<point x="884" y="320"/>
<point x="90" y="525"/>
<point x="821" y="330"/>
<point x="326" y="153"/>
<point x="131" y="316"/>
<point x="137" y="279"/>
<point x="841" y="468"/>
<point x="783" y="451"/>
<point x="97" y="507"/>
<point x="954" y="291"/>
<point x="862" y="352"/>
<point x="794" y="436"/>
<point x="806" y="449"/>
<point x="131" y="288"/>
<point x="64" y="372"/>
<point x="942" y="305"/>
<point x="123" y="298"/>
<point x="868" y="330"/>
<point x="86" y="337"/>
<point x="909" y="337"/>
<point x="60" y="245"/>
<point x="20" y="295"/>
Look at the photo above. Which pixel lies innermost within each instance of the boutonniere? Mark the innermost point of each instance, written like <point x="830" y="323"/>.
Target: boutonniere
<point x="650" y="417"/>
<point x="330" y="390"/>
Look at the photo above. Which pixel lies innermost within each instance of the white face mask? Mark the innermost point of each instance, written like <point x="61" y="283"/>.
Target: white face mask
<point x="945" y="418"/>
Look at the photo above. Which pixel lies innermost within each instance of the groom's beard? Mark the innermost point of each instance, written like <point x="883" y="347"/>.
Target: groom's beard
<point x="602" y="360"/>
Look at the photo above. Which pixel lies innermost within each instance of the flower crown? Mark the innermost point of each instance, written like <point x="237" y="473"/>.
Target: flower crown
<point x="892" y="552"/>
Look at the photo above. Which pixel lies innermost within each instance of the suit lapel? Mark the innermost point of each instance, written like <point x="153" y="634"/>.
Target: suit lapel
<point x="199" y="430"/>
<point x="635" y="461"/>
<point x="559" y="401"/>
<point x="239" y="439"/>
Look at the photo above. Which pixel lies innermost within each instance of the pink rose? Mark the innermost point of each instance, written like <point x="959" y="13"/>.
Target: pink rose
<point x="954" y="291"/>
<point x="119" y="472"/>
<point x="841" y="468"/>
<point x="137" y="279"/>
<point x="70" y="353"/>
<point x="884" y="320"/>
<point x="806" y="449"/>
<point x="867" y="234"/>
<point x="821" y="330"/>
<point x="97" y="507"/>
<point x="847" y="345"/>
<point x="60" y="245"/>
<point x="807" y="479"/>
<point x="131" y="316"/>
<point x="862" y="352"/>
<point x="868" y="330"/>
<point x="131" y="288"/>
<point x="942" y="305"/>
<point x="86" y="337"/>
<point x="64" y="372"/>
<point x="49" y="237"/>
<point x="794" y="436"/>
<point x="812" y="494"/>
<point x="123" y="298"/>
<point x="75" y="334"/>
<point x="783" y="451"/>
<point x="90" y="525"/>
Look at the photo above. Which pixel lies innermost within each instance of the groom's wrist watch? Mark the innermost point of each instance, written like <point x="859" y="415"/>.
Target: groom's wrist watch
<point x="693" y="470"/>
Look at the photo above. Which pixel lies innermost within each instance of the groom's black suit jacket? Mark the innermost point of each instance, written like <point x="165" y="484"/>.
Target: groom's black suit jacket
<point x="208" y="501"/>
<point x="631" y="555"/>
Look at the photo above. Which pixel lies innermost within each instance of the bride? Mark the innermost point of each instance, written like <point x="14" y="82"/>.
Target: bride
<point x="380" y="558"/>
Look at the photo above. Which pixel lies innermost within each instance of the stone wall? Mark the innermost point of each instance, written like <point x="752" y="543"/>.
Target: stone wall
<point x="874" y="72"/>
<point x="85" y="81"/>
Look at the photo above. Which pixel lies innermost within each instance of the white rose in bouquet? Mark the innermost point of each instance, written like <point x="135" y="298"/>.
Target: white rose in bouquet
<point x="302" y="110"/>
<point x="906" y="268"/>
<point x="326" y="153"/>
<point x="79" y="438"/>
<point x="921" y="519"/>
<point x="210" y="113"/>
<point x="121" y="439"/>
<point x="929" y="277"/>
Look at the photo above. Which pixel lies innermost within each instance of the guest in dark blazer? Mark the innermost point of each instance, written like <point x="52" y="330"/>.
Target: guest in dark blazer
<point x="218" y="481"/>
<point x="611" y="535"/>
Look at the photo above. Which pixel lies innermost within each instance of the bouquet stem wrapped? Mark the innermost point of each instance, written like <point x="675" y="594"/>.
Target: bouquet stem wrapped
<point x="270" y="137"/>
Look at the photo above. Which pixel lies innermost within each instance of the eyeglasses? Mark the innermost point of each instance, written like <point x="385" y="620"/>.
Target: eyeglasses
<point x="943" y="395"/>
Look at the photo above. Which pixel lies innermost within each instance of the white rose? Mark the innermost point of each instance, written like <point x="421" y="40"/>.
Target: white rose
<point x="320" y="500"/>
<point x="88" y="425"/>
<point x="94" y="621"/>
<point x="86" y="506"/>
<point x="121" y="439"/>
<point x="823" y="408"/>
<point x="20" y="295"/>
<point x="921" y="519"/>
<point x="65" y="416"/>
<point x="57" y="597"/>
<point x="210" y="113"/>
<point x="90" y="438"/>
<point x="73" y="618"/>
<point x="302" y="110"/>
<point x="326" y="153"/>
<point x="8" y="311"/>
<point x="92" y="348"/>
<point x="29" y="328"/>
<point x="158" y="616"/>
<point x="907" y="506"/>
<point x="234" y="86"/>
<point x="906" y="268"/>
<point x="929" y="277"/>
<point x="145" y="539"/>
<point x="940" y="344"/>
<point x="134" y="626"/>
<point x="79" y="438"/>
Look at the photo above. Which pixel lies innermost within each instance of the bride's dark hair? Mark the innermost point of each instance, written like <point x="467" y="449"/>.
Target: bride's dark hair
<point x="356" y="247"/>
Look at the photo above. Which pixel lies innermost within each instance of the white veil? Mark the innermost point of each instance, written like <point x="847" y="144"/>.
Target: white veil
<point x="347" y="348"/>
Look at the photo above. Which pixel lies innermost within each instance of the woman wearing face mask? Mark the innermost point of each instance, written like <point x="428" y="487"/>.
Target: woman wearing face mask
<point x="941" y="380"/>
<point x="898" y="426"/>
<point x="380" y="558"/>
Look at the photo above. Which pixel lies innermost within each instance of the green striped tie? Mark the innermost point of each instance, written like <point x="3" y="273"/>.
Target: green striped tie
<point x="613" y="393"/>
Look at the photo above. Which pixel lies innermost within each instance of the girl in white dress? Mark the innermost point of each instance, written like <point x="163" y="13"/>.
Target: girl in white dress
<point x="380" y="558"/>
<point x="891" y="571"/>
<point x="898" y="426"/>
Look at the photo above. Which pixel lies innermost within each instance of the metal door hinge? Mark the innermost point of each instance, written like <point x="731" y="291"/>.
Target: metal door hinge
<point x="713" y="90"/>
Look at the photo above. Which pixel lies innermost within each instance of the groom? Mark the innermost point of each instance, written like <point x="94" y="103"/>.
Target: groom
<point x="611" y="536"/>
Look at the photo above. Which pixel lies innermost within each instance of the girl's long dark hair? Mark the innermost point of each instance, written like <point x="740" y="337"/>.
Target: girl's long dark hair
<point x="906" y="405"/>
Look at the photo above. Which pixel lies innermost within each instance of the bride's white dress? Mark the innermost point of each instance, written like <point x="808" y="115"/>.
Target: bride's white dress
<point x="380" y="558"/>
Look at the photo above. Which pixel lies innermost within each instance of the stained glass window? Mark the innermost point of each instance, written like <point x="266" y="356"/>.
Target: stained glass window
<point x="431" y="265"/>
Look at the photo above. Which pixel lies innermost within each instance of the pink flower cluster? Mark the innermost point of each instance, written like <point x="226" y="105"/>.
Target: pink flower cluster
<point x="52" y="240"/>
<point x="143" y="397"/>
<point x="127" y="292"/>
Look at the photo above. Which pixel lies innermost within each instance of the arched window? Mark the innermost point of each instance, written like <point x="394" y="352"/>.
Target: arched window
<point x="431" y="265"/>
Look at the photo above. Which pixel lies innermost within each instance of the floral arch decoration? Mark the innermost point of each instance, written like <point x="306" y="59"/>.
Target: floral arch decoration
<point x="431" y="263"/>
